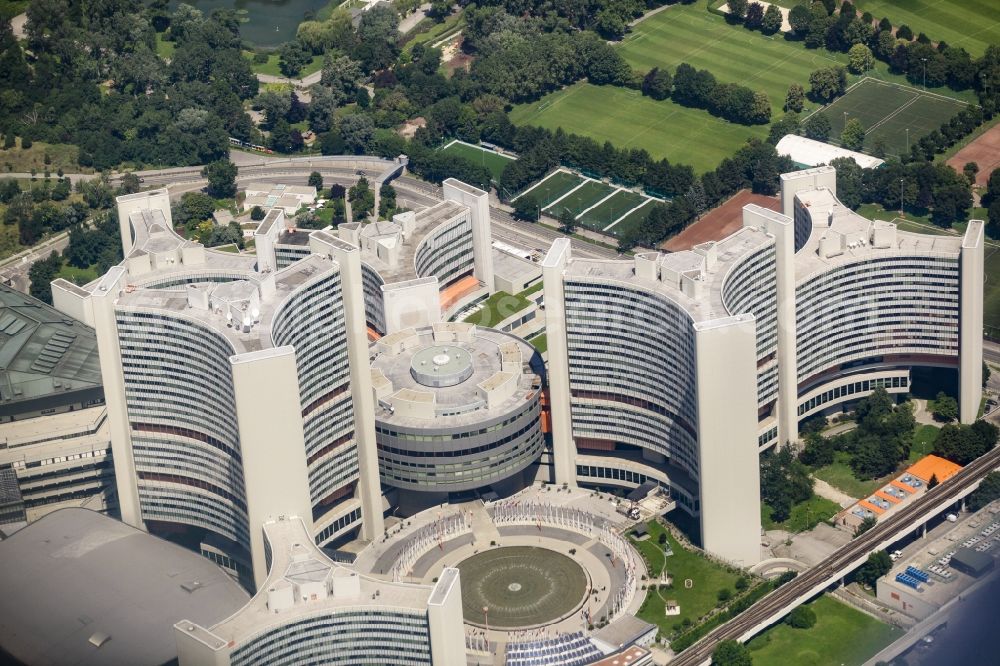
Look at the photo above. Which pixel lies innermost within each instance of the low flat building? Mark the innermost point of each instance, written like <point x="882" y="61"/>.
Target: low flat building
<point x="811" y="153"/>
<point x="288" y="198"/>
<point x="81" y="589"/>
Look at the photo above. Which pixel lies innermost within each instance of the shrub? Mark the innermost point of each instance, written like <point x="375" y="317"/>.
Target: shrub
<point x="801" y="618"/>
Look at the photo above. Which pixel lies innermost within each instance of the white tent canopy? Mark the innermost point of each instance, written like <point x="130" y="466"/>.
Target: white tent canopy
<point x="814" y="153"/>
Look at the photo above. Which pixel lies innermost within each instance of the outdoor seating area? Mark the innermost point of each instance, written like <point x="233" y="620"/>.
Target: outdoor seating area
<point x="566" y="650"/>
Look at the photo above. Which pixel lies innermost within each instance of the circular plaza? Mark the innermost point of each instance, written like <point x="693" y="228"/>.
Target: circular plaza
<point x="520" y="586"/>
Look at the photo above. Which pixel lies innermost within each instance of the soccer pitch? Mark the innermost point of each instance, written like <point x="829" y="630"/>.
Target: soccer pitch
<point x="581" y="198"/>
<point x="887" y="111"/>
<point x="492" y="160"/>
<point x="628" y="120"/>
<point x="552" y="187"/>
<point x="971" y="24"/>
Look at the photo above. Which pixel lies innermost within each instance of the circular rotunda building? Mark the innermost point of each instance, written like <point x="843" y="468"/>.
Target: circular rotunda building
<point x="457" y="409"/>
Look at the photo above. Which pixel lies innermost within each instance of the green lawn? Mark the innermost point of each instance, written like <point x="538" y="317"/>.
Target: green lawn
<point x="581" y="199"/>
<point x="271" y="66"/>
<point x="839" y="475"/>
<point x="540" y="342"/>
<point x="805" y="515"/>
<point x="898" y="115"/>
<point x="437" y="31"/>
<point x="554" y="186"/>
<point x="164" y="49"/>
<point x="634" y="219"/>
<point x="493" y="161"/>
<point x="971" y="24"/>
<point x="601" y="216"/>
<point x="61" y="156"/>
<point x="707" y="576"/>
<point x="628" y="120"/>
<point x="498" y="307"/>
<point x="923" y="441"/>
<point x="841" y="636"/>
<point x="78" y="275"/>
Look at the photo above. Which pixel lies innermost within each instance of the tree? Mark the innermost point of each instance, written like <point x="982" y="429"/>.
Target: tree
<point x="724" y="595"/>
<point x="827" y="83"/>
<point x="988" y="491"/>
<point x="257" y="214"/>
<point x="970" y="170"/>
<point x="932" y="482"/>
<point x="292" y="57"/>
<point x="799" y="18"/>
<point x="526" y="208"/>
<point x="853" y="136"/>
<point x="386" y="201"/>
<point x="962" y="443"/>
<point x="945" y="408"/>
<point x="41" y="274"/>
<point x="657" y="83"/>
<point x="904" y="32"/>
<point x="738" y="10"/>
<point x="362" y="199"/>
<point x="755" y="16"/>
<point x="193" y="207"/>
<point x="878" y="564"/>
<point x="795" y="98"/>
<point x="731" y="653"/>
<point x="801" y="617"/>
<point x="866" y="524"/>
<point x="316" y="180"/>
<point x="772" y="20"/>
<point x="860" y="59"/>
<point x="130" y="184"/>
<point x="357" y="131"/>
<point x="784" y="481"/>
<point x="567" y="222"/>
<point x="817" y="127"/>
<point x="340" y="77"/>
<point x="221" y="176"/>
<point x="760" y="109"/>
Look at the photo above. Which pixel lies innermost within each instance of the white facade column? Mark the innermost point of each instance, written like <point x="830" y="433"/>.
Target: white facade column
<point x="445" y="621"/>
<point x="272" y="444"/>
<point x="563" y="445"/>
<point x="369" y="485"/>
<point x="729" y="466"/>
<point x="131" y="203"/>
<point x="478" y="202"/>
<point x="782" y="227"/>
<point x="822" y="177"/>
<point x="109" y="351"/>
<point x="970" y="373"/>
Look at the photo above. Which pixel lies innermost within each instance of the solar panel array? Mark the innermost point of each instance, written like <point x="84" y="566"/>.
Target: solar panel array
<point x="566" y="650"/>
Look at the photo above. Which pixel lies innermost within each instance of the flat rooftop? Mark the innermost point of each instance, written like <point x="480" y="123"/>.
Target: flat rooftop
<point x="824" y="207"/>
<point x="76" y="576"/>
<point x="427" y="220"/>
<point x="296" y="559"/>
<point x="478" y="359"/>
<point x="43" y="353"/>
<point x="708" y="305"/>
<point x="175" y="301"/>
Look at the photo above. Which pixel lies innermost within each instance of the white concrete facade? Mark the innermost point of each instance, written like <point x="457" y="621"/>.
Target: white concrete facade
<point x="840" y="306"/>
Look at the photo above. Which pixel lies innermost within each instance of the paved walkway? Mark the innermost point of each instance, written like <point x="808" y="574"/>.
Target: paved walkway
<point x="824" y="489"/>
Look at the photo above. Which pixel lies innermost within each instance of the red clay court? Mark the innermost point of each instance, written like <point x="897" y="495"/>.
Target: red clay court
<point x="984" y="151"/>
<point x="720" y="222"/>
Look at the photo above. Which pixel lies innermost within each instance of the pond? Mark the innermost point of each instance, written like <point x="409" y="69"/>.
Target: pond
<point x="266" y="23"/>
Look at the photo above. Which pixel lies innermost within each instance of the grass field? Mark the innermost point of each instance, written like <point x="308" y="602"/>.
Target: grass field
<point x="493" y="161"/>
<point x="271" y="66"/>
<point x="581" y="198"/>
<point x="805" y="515"/>
<point x="628" y="120"/>
<point x="840" y="475"/>
<point x="551" y="188"/>
<point x="610" y="210"/>
<point x="61" y="155"/>
<point x="164" y="49"/>
<point x="923" y="441"/>
<point x="841" y="635"/>
<point x="887" y="111"/>
<point x="498" y="307"/>
<point x="971" y="24"/>
<point x="707" y="578"/>
<point x="633" y="220"/>
<point x="540" y="342"/>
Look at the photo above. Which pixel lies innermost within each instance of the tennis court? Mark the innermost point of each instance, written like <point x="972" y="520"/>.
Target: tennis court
<point x="899" y="115"/>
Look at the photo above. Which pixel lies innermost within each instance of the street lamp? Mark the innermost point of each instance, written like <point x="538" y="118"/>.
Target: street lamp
<point x="907" y="139"/>
<point x="901" y="197"/>
<point x="486" y="618"/>
<point x="925" y="72"/>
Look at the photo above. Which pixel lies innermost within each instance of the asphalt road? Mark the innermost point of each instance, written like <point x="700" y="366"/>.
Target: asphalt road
<point x="771" y="608"/>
